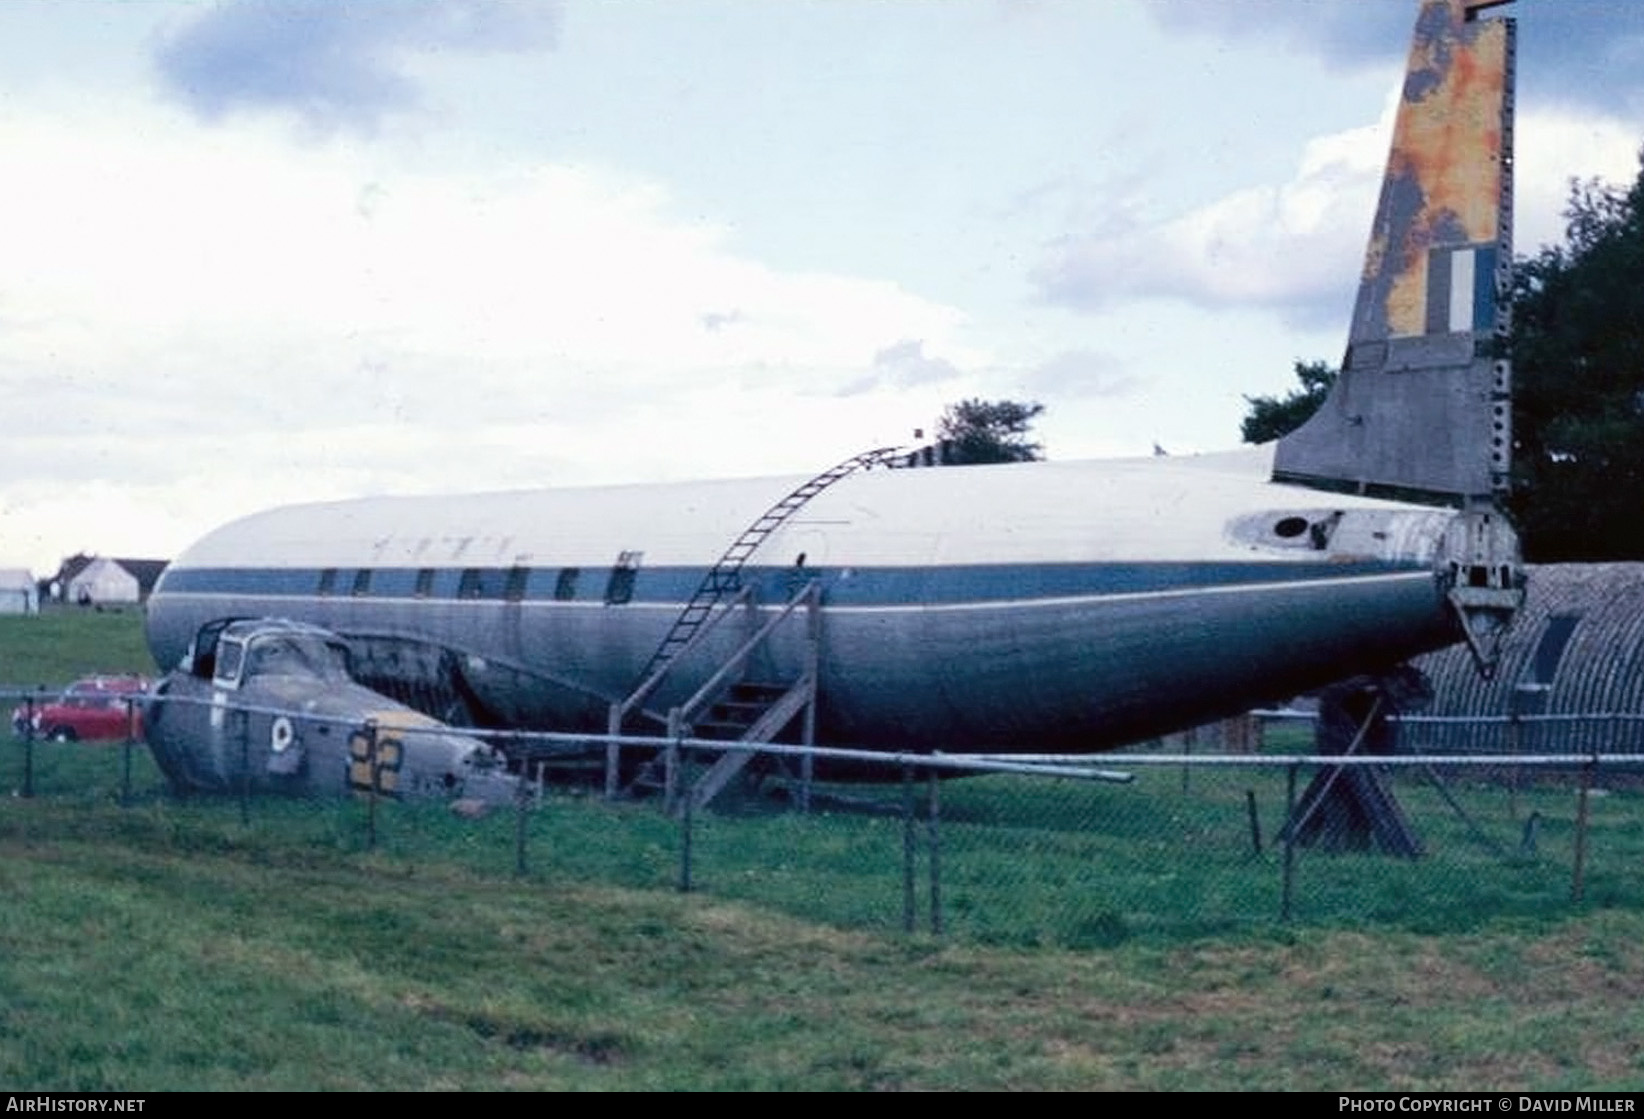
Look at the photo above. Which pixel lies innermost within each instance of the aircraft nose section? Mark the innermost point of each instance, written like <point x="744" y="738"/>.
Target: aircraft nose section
<point x="487" y="780"/>
<point x="426" y="758"/>
<point x="478" y="771"/>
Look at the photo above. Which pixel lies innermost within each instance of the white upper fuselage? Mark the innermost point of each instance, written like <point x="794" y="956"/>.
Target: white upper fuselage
<point x="1157" y="510"/>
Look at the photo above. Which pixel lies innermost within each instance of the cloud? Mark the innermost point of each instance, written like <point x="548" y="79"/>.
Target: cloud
<point x="1351" y="32"/>
<point x="335" y="64"/>
<point x="1291" y="247"/>
<point x="905" y="364"/>
<point x="1587" y="53"/>
<point x="1552" y="148"/>
<point x="1077" y="374"/>
<point x="211" y="323"/>
<point x="142" y="246"/>
<point x="1296" y="248"/>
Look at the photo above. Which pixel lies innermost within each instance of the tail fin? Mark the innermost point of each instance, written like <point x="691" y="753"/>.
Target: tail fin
<point x="1421" y="410"/>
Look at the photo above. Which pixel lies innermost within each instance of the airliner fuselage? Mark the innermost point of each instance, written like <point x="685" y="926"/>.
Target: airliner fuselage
<point x="1034" y="606"/>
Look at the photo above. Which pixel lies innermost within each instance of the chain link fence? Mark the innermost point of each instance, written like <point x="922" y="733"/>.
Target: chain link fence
<point x="1080" y="852"/>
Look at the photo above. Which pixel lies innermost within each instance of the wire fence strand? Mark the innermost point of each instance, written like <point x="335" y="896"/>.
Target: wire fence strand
<point x="1006" y="849"/>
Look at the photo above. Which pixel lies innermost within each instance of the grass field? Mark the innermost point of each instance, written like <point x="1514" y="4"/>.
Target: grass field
<point x="1099" y="937"/>
<point x="63" y="642"/>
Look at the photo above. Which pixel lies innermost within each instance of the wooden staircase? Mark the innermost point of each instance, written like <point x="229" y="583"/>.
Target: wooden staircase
<point x="730" y="708"/>
<point x="715" y="599"/>
<point x="750" y="712"/>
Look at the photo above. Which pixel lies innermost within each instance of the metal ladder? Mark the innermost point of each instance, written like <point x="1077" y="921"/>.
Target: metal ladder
<point x="725" y="576"/>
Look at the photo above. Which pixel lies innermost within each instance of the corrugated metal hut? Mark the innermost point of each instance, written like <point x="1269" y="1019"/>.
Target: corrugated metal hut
<point x="1577" y="648"/>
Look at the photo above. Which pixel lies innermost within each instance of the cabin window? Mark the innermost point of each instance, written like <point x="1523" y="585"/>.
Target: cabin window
<point x="515" y="588"/>
<point x="483" y="582"/>
<point x="362" y="582"/>
<point x="392" y="582"/>
<point x="271" y="656"/>
<point x="620" y="587"/>
<point x="328" y="581"/>
<point x="203" y="650"/>
<point x="425" y="582"/>
<point x="230" y="654"/>
<point x="565" y="587"/>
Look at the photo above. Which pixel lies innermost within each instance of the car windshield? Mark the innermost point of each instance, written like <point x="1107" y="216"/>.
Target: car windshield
<point x="288" y="655"/>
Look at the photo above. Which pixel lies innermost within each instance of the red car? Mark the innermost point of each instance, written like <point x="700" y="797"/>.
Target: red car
<point x="93" y="708"/>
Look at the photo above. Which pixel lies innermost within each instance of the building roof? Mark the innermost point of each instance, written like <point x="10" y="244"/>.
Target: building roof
<point x="145" y="571"/>
<point x="1576" y="648"/>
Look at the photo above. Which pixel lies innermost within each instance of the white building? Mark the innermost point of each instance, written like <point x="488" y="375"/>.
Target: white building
<point x="18" y="594"/>
<point x="100" y="582"/>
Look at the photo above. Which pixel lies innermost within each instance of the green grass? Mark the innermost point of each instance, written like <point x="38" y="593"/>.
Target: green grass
<point x="1020" y="862"/>
<point x="61" y="643"/>
<point x="1097" y="936"/>
<point x="163" y="946"/>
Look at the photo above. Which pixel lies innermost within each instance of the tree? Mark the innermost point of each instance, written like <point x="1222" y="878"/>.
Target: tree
<point x="1578" y="393"/>
<point x="982" y="431"/>
<point x="1270" y="417"/>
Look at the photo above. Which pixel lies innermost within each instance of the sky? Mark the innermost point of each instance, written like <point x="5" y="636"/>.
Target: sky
<point x="266" y="251"/>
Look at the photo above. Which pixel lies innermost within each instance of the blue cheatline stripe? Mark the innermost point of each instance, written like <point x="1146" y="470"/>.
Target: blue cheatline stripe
<point x="843" y="586"/>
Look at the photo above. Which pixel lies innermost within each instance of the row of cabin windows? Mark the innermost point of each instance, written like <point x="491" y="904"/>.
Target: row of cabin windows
<point x="507" y="584"/>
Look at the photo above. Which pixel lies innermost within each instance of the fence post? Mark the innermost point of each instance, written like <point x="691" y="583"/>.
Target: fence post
<point x="245" y="767"/>
<point x="521" y="792"/>
<point x="1578" y="873"/>
<point x="28" y="746"/>
<point x="613" y="750"/>
<point x="670" y="761"/>
<point x="813" y="645"/>
<point x="1515" y="747"/>
<point x="1255" y="822"/>
<point x="125" y="752"/>
<point x="686" y="818"/>
<point x="1189" y="737"/>
<point x="807" y="777"/>
<point x="908" y="849"/>
<point x="371" y="763"/>
<point x="1289" y="842"/>
<point x="933" y="815"/>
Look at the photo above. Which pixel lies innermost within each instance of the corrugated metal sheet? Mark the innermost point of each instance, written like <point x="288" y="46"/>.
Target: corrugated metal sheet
<point x="1596" y="611"/>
